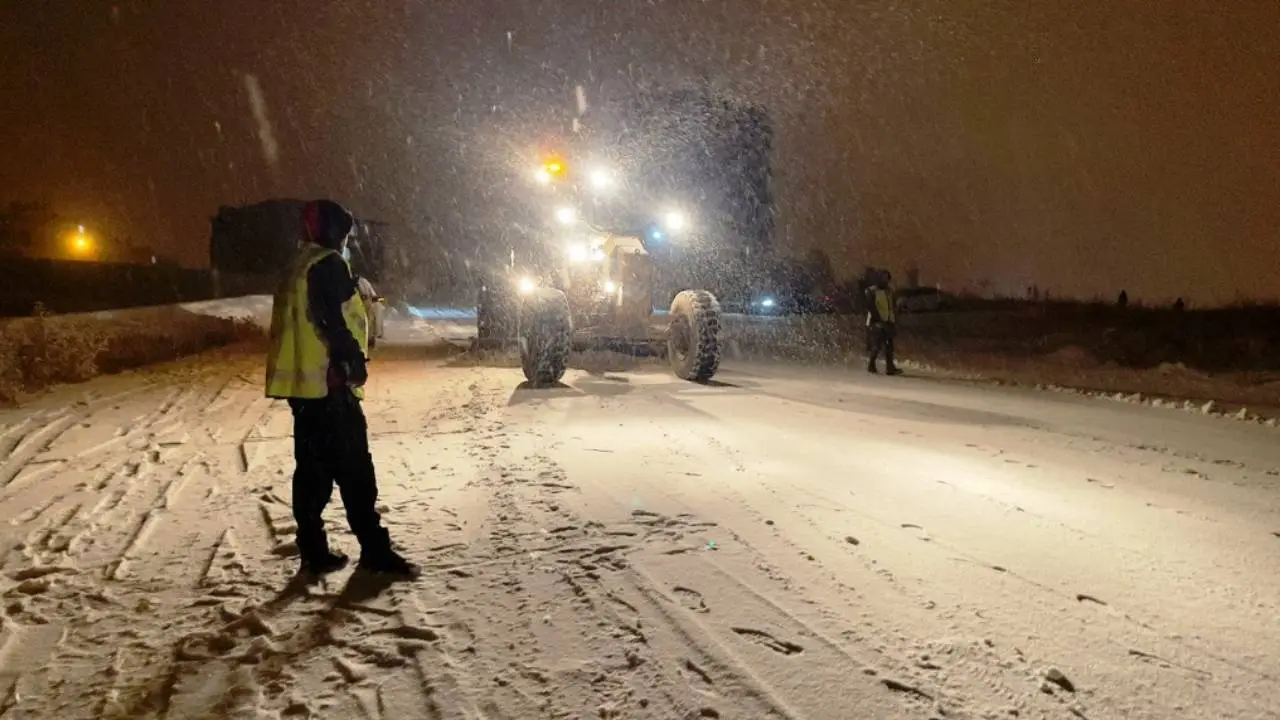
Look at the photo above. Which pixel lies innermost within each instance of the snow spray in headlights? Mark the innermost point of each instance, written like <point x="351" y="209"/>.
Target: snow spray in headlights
<point x="526" y="285"/>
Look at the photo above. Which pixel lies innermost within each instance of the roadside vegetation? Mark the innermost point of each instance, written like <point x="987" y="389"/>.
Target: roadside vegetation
<point x="44" y="350"/>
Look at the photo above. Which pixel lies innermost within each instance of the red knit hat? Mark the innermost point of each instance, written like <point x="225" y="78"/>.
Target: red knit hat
<point x="326" y="222"/>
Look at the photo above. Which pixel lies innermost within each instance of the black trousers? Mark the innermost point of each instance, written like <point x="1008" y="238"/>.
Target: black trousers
<point x="880" y="340"/>
<point x="331" y="444"/>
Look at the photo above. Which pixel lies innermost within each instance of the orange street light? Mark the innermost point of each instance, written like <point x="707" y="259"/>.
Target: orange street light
<point x="81" y="243"/>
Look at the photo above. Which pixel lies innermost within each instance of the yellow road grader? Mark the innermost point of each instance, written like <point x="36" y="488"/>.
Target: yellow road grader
<point x="600" y="294"/>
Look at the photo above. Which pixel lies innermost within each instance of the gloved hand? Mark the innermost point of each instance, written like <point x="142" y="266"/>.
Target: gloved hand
<point x="355" y="372"/>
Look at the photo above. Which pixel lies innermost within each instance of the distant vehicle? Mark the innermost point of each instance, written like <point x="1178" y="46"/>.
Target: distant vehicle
<point x="920" y="299"/>
<point x="769" y="303"/>
<point x="256" y="240"/>
<point x="250" y="246"/>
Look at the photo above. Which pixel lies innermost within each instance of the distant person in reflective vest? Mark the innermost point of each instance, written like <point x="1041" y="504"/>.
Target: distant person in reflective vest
<point x="316" y="361"/>
<point x="882" y="324"/>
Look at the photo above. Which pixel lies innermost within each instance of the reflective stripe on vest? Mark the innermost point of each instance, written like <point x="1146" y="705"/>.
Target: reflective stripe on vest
<point x="298" y="358"/>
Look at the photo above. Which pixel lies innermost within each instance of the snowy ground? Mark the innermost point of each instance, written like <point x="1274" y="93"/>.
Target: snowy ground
<point x="791" y="542"/>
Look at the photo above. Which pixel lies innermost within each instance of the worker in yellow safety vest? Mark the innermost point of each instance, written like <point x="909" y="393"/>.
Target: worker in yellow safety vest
<point x="317" y="362"/>
<point x="882" y="324"/>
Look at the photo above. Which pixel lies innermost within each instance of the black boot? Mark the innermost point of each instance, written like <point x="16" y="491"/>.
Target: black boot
<point x="324" y="563"/>
<point x="871" y="368"/>
<point x="389" y="562"/>
<point x="377" y="556"/>
<point x="895" y="370"/>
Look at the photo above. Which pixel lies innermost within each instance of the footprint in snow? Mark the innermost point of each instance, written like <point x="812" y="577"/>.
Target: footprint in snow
<point x="690" y="668"/>
<point x="760" y="637"/>
<point x="691" y="599"/>
<point x="924" y="535"/>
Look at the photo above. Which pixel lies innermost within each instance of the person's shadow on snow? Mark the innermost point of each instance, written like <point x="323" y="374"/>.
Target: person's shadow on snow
<point x="196" y="654"/>
<point x="360" y="587"/>
<point x="341" y="609"/>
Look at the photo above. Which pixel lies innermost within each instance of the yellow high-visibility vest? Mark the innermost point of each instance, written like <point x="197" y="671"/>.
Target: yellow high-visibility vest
<point x="884" y="309"/>
<point x="298" y="358"/>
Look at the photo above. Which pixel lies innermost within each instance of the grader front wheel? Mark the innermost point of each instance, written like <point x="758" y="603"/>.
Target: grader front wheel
<point x="693" y="337"/>
<point x="546" y="333"/>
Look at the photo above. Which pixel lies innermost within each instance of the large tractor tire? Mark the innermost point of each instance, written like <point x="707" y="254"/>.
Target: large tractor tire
<point x="546" y="334"/>
<point x="693" y="337"/>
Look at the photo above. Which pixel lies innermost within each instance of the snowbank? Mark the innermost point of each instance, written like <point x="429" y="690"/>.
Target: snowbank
<point x="44" y="350"/>
<point x="254" y="308"/>
<point x="986" y="346"/>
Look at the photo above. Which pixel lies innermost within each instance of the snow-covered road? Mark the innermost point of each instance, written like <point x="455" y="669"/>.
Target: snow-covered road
<point x="787" y="543"/>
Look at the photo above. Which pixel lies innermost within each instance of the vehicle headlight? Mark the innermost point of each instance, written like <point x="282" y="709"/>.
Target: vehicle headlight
<point x="610" y="287"/>
<point x="526" y="285"/>
<point x="566" y="215"/>
<point x="578" y="252"/>
<point x="601" y="179"/>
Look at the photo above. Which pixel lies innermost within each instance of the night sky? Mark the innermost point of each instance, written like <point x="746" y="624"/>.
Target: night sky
<point x="1083" y="145"/>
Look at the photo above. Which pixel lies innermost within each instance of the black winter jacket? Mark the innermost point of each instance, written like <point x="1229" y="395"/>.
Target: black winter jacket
<point x="329" y="285"/>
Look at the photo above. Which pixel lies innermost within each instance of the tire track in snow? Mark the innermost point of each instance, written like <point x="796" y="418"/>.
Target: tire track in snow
<point x="517" y="581"/>
<point x="24" y="653"/>
<point x="119" y="492"/>
<point x="116" y="516"/>
<point x="96" y="529"/>
<point x="712" y="452"/>
<point x="658" y="653"/>
<point x="898" y="673"/>
<point x="21" y="442"/>
<point x="1059" y="594"/>
<point x="210" y="573"/>
<point x="1056" y="606"/>
<point x="480" y="409"/>
<point x="222" y="557"/>
<point x="110" y="707"/>
<point x="16" y="469"/>
<point x="447" y="692"/>
<point x="145" y="529"/>
<point x="139" y="435"/>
